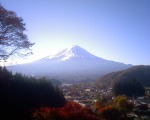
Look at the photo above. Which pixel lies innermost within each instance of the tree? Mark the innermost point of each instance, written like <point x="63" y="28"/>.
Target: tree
<point x="101" y="101"/>
<point x="129" y="88"/>
<point x="117" y="110"/>
<point x="120" y="102"/>
<point x="110" y="113"/>
<point x="13" y="41"/>
<point x="70" y="111"/>
<point x="20" y="94"/>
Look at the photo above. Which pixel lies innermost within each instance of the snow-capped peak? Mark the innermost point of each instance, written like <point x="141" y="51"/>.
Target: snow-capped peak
<point x="71" y="52"/>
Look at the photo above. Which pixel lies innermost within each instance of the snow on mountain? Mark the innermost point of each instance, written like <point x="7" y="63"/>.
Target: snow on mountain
<point x="72" y="52"/>
<point x="70" y="63"/>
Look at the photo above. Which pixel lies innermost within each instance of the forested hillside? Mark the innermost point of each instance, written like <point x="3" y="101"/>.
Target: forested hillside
<point x="21" y="94"/>
<point x="140" y="73"/>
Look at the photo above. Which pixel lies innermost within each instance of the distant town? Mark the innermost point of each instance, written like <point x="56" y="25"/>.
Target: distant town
<point x="88" y="94"/>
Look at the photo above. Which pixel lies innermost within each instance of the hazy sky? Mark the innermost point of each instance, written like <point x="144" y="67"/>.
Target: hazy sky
<point x="117" y="30"/>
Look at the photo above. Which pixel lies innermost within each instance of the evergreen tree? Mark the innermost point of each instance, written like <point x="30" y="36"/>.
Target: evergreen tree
<point x="129" y="88"/>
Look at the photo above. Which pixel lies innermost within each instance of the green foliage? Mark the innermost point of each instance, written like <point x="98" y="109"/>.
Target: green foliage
<point x="129" y="88"/>
<point x="117" y="110"/>
<point x="20" y="94"/>
<point x="120" y="103"/>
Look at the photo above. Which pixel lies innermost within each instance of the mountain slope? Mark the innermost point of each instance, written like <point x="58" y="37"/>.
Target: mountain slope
<point x="141" y="73"/>
<point x="72" y="63"/>
<point x="73" y="52"/>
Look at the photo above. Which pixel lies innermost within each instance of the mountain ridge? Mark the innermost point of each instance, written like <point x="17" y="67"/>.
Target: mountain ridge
<point x="71" y="62"/>
<point x="72" y="52"/>
<point x="140" y="73"/>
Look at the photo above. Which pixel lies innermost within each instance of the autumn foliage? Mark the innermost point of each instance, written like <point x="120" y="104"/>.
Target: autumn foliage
<point x="116" y="110"/>
<point x="71" y="111"/>
<point x="13" y="41"/>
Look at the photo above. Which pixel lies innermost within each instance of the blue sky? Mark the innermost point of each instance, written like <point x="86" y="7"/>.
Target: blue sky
<point x="117" y="30"/>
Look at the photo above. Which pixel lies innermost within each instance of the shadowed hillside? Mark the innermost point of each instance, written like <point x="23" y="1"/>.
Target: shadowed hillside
<point x="140" y="73"/>
<point x="21" y="94"/>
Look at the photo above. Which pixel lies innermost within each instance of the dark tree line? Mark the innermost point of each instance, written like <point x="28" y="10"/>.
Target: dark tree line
<point x="129" y="88"/>
<point x="19" y="95"/>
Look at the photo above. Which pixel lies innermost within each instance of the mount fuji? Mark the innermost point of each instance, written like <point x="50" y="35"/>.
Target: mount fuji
<point x="73" y="63"/>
